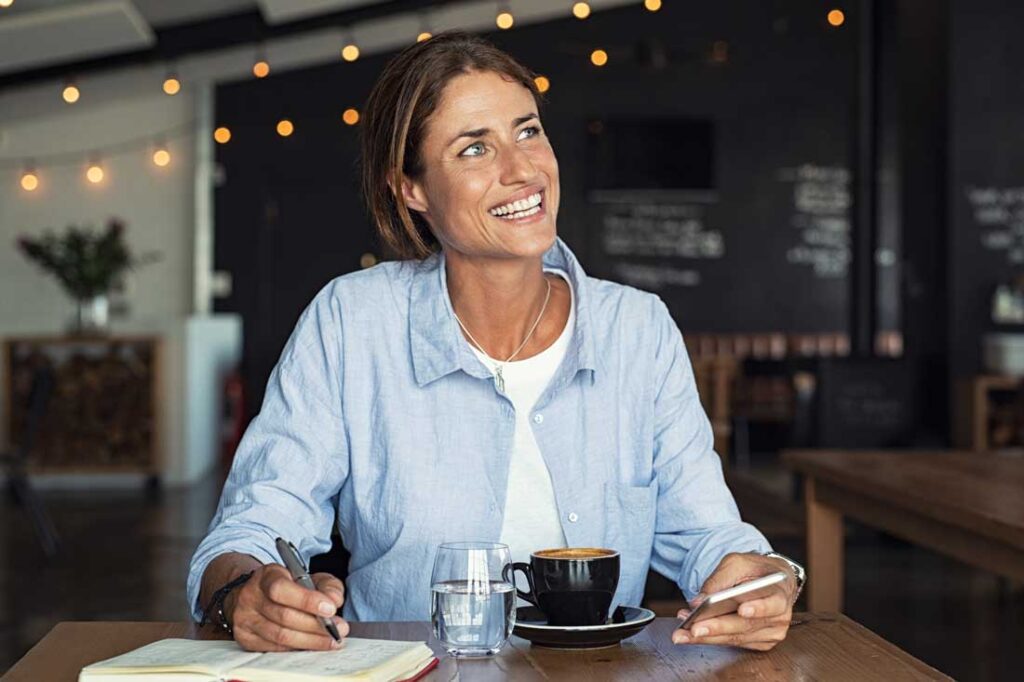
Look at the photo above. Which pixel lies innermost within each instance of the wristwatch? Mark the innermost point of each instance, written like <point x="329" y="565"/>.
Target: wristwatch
<point x="798" y="571"/>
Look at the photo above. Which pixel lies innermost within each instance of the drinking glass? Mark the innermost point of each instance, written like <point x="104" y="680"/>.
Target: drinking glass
<point x="472" y="604"/>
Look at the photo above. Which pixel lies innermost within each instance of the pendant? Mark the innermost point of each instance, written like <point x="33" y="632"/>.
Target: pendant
<point x="499" y="380"/>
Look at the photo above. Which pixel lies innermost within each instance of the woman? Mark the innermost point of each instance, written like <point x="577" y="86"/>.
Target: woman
<point x="483" y="388"/>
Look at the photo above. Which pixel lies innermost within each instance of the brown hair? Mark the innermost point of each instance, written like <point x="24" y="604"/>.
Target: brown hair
<point x="394" y="124"/>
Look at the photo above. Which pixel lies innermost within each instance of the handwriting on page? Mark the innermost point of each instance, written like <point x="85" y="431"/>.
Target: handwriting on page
<point x="354" y="655"/>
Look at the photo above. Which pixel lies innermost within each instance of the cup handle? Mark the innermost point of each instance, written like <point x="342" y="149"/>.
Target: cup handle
<point x="509" y="574"/>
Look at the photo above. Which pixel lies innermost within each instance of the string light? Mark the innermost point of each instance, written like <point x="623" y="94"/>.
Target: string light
<point x="598" y="57"/>
<point x="652" y="5"/>
<point x="424" y="35"/>
<point x="172" y="86"/>
<point x="285" y="127"/>
<point x="161" y="156"/>
<point x="29" y="180"/>
<point x="350" y="51"/>
<point x="542" y="83"/>
<point x="261" y="69"/>
<point x="836" y="17"/>
<point x="94" y="173"/>
<point x="426" y="30"/>
<point x="581" y="10"/>
<point x="222" y="135"/>
<point x="4" y="4"/>
<point x="350" y="116"/>
<point x="504" y="20"/>
<point x="71" y="93"/>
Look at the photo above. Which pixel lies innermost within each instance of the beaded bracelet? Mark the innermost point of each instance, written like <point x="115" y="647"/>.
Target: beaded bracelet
<point x="217" y="604"/>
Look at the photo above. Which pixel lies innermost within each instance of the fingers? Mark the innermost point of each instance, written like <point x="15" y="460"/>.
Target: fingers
<point x="279" y="587"/>
<point x="774" y="604"/>
<point x="331" y="586"/>
<point x="728" y="625"/>
<point x="757" y="640"/>
<point x="291" y="639"/>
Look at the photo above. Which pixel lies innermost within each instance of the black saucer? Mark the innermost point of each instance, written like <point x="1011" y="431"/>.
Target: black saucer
<point x="625" y="622"/>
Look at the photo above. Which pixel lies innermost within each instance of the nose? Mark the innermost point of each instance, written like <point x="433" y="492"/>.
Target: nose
<point x="517" y="167"/>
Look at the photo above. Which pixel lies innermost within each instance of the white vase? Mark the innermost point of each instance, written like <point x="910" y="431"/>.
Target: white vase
<point x="92" y="315"/>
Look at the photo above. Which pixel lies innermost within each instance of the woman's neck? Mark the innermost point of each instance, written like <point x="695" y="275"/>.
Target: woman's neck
<point x="499" y="301"/>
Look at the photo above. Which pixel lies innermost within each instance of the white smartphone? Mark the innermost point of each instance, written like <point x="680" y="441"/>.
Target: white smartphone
<point x="727" y="601"/>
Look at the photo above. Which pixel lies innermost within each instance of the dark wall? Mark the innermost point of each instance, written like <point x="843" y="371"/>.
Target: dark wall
<point x="288" y="217"/>
<point x="986" y="185"/>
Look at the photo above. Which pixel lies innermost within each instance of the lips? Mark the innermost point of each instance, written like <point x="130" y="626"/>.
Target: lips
<point x="520" y="196"/>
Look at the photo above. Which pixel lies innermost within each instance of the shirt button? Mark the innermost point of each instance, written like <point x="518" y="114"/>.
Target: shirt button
<point x="538" y="418"/>
<point x="573" y="518"/>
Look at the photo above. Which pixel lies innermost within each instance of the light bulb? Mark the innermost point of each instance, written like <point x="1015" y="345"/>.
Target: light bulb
<point x="29" y="181"/>
<point x="350" y="52"/>
<point x="350" y="116"/>
<point x="161" y="157"/>
<point x="836" y="17"/>
<point x="504" y="20"/>
<point x="71" y="93"/>
<point x="424" y="35"/>
<point x="261" y="69"/>
<point x="652" y="5"/>
<point x="285" y="127"/>
<point x="172" y="86"/>
<point x="94" y="173"/>
<point x="581" y="10"/>
<point x="222" y="135"/>
<point x="542" y="83"/>
<point x="598" y="57"/>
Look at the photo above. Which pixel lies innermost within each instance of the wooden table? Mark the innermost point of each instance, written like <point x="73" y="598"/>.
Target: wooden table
<point x="968" y="505"/>
<point x="819" y="647"/>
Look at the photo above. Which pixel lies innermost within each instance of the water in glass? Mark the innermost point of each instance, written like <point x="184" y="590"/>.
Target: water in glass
<point x="472" y="606"/>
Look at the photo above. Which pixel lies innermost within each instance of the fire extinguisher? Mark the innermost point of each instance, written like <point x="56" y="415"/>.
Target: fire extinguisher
<point x="234" y="416"/>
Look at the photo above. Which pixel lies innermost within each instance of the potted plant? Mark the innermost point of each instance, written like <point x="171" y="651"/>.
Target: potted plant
<point x="88" y="264"/>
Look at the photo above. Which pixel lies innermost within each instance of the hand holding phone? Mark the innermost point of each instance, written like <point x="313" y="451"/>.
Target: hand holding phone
<point x="729" y="600"/>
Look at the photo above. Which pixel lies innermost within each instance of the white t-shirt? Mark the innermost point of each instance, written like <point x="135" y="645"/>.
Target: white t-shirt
<point x="531" y="518"/>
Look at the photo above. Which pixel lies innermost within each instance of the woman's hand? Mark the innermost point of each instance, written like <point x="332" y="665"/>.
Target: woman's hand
<point x="761" y="623"/>
<point x="272" y="612"/>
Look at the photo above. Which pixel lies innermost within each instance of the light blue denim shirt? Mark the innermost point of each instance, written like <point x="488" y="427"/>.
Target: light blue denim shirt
<point x="379" y="412"/>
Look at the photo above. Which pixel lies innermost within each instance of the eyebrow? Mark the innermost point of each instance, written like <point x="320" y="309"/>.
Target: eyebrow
<point x="480" y="132"/>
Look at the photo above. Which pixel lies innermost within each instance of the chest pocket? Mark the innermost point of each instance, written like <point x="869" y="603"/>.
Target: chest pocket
<point x="630" y="530"/>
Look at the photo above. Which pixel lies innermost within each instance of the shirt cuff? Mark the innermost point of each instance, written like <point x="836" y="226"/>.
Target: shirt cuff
<point x="210" y="548"/>
<point x="704" y="557"/>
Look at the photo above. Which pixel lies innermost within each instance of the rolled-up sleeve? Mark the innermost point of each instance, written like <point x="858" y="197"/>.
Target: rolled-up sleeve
<point x="697" y="522"/>
<point x="293" y="459"/>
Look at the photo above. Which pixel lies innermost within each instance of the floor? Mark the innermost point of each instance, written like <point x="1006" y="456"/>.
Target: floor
<point x="126" y="553"/>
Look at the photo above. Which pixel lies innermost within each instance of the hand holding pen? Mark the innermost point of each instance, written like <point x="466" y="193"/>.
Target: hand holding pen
<point x="273" y="612"/>
<point x="293" y="562"/>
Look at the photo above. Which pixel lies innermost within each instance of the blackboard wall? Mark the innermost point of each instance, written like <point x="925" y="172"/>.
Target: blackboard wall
<point x="288" y="217"/>
<point x="986" y="190"/>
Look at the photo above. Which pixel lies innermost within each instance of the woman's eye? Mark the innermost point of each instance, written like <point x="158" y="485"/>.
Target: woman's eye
<point x="478" y="146"/>
<point x="534" y="131"/>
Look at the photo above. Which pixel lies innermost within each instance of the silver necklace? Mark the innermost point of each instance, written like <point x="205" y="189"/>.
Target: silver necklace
<point x="499" y="380"/>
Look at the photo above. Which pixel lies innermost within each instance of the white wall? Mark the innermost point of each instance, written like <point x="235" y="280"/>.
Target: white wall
<point x="156" y="203"/>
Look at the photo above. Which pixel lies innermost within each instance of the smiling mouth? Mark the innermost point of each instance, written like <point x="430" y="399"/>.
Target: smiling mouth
<point x="518" y="210"/>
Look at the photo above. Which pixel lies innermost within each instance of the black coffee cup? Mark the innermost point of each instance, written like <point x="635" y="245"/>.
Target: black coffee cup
<point x="572" y="586"/>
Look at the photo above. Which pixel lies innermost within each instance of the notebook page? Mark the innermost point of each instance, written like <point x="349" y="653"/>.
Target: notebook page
<point x="354" y="657"/>
<point x="176" y="655"/>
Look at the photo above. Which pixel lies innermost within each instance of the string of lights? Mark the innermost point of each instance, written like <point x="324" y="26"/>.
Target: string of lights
<point x="171" y="85"/>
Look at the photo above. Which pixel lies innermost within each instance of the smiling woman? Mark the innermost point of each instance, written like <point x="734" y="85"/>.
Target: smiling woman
<point x="484" y="388"/>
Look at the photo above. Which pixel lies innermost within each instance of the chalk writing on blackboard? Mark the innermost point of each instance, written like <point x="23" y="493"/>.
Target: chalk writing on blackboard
<point x="821" y="205"/>
<point x="659" y="229"/>
<point x="999" y="216"/>
<point x="655" y="277"/>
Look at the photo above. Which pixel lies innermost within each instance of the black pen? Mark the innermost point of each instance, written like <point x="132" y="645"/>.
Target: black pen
<point x="293" y="561"/>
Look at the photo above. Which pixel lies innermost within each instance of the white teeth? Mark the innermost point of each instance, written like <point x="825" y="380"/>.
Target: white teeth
<point x="522" y="214"/>
<point x="521" y="205"/>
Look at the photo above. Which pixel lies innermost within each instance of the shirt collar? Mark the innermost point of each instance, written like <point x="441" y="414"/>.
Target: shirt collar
<point x="438" y="347"/>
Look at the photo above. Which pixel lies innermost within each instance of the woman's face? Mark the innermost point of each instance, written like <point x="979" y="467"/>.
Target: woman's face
<point x="489" y="187"/>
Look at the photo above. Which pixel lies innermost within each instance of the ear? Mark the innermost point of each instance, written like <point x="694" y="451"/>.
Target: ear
<point x="414" y="195"/>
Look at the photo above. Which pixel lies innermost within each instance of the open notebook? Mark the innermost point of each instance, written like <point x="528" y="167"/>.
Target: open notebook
<point x="188" y="660"/>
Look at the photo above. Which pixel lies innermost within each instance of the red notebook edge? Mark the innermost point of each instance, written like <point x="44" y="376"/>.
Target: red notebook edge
<point x="422" y="672"/>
